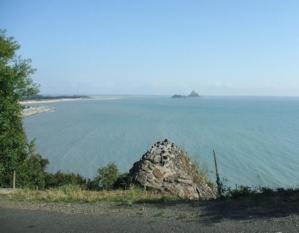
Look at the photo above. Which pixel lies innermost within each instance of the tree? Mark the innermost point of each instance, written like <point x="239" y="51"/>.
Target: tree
<point x="32" y="172"/>
<point x="15" y="82"/>
<point x="107" y="176"/>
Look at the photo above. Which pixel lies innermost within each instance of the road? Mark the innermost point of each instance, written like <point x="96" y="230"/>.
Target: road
<point x="228" y="216"/>
<point x="25" y="221"/>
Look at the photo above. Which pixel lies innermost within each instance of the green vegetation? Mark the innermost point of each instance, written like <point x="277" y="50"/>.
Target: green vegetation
<point x="74" y="193"/>
<point x="220" y="186"/>
<point x="17" y="156"/>
<point x="60" y="179"/>
<point x="108" y="186"/>
<point x="183" y="216"/>
<point x="107" y="176"/>
<point x="32" y="171"/>
<point x="48" y="97"/>
<point x="15" y="83"/>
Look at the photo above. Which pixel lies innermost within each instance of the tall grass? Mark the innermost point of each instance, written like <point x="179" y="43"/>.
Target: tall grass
<point x="219" y="183"/>
<point x="71" y="193"/>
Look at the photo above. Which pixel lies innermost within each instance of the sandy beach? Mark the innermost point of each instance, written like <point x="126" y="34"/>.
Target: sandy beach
<point x="30" y="109"/>
<point x="65" y="100"/>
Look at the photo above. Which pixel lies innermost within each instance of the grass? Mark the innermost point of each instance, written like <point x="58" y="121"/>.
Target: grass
<point x="70" y="193"/>
<point x="183" y="216"/>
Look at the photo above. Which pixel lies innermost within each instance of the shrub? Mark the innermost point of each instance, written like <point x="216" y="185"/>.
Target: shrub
<point x="107" y="176"/>
<point x="121" y="182"/>
<point x="241" y="191"/>
<point x="60" y="179"/>
<point x="31" y="173"/>
<point x="92" y="184"/>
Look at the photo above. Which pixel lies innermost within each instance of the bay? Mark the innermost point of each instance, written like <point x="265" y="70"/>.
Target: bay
<point x="255" y="138"/>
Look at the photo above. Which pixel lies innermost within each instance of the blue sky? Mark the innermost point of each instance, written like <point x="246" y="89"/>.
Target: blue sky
<point x="158" y="47"/>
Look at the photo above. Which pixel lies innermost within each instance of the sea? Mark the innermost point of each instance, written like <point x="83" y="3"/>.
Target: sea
<point x="255" y="139"/>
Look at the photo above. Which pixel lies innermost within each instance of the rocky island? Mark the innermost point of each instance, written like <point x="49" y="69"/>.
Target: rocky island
<point x="192" y="94"/>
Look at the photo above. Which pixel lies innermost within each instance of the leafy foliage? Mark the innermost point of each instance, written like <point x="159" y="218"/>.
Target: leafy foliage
<point x="122" y="181"/>
<point x="241" y="191"/>
<point x="32" y="171"/>
<point x="107" y="176"/>
<point x="61" y="179"/>
<point x="15" y="82"/>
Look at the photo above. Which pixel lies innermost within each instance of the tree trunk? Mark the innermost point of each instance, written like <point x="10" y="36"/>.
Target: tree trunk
<point x="14" y="180"/>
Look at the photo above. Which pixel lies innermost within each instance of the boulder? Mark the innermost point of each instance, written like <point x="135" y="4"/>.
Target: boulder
<point x="168" y="169"/>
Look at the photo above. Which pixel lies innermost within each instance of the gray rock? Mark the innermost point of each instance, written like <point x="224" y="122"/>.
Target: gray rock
<point x="167" y="168"/>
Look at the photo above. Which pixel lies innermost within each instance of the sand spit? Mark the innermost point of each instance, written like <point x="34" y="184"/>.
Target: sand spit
<point x="64" y="100"/>
<point x="30" y="110"/>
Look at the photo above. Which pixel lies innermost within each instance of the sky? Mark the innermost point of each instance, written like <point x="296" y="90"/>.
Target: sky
<point x="156" y="47"/>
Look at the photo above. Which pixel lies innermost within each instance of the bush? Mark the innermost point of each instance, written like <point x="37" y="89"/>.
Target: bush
<point x="121" y="182"/>
<point x="107" y="176"/>
<point x="31" y="173"/>
<point x="92" y="184"/>
<point x="241" y="191"/>
<point x="60" y="179"/>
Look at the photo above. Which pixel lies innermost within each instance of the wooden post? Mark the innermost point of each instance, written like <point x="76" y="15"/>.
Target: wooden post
<point x="14" y="180"/>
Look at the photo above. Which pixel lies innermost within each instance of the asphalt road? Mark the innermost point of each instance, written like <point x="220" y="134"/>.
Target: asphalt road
<point x="277" y="213"/>
<point x="15" y="220"/>
<point x="25" y="221"/>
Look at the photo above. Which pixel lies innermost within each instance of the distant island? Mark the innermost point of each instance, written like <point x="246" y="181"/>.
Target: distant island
<point x="192" y="94"/>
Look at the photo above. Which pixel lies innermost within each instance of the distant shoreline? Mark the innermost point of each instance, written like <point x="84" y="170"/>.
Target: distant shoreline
<point x="25" y="102"/>
<point x="30" y="109"/>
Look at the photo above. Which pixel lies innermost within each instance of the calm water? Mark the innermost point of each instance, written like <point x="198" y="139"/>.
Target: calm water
<point x="256" y="139"/>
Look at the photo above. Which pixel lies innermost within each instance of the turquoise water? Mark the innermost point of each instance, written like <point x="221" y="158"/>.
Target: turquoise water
<point x="256" y="139"/>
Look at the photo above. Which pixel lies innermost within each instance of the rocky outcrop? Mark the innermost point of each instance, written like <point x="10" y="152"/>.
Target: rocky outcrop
<point x="178" y="96"/>
<point x="168" y="169"/>
<point x="192" y="94"/>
